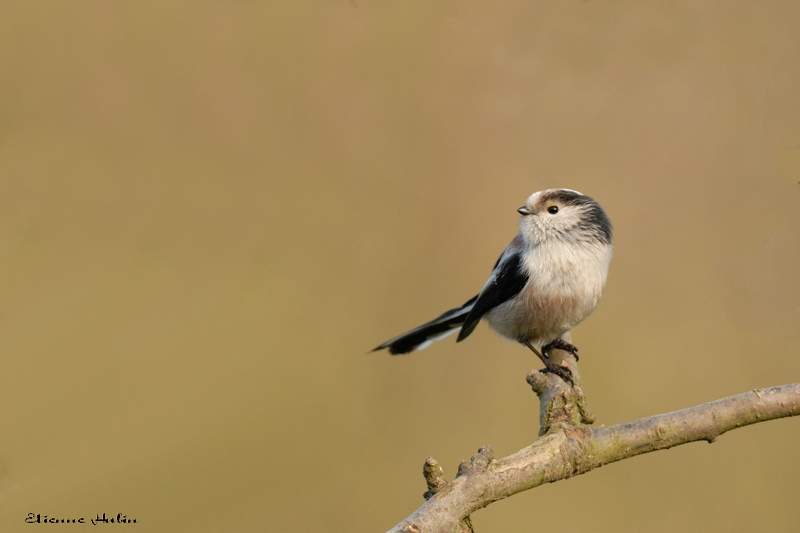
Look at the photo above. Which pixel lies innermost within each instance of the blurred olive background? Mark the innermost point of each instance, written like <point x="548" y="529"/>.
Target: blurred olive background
<point x="210" y="212"/>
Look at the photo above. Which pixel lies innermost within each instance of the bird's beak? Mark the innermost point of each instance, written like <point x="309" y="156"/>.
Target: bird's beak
<point x="524" y="211"/>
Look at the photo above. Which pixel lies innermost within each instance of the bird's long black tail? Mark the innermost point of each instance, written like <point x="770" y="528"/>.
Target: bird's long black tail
<point x="423" y="336"/>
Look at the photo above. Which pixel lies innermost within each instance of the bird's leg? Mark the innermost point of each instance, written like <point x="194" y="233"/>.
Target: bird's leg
<point x="560" y="344"/>
<point x="549" y="366"/>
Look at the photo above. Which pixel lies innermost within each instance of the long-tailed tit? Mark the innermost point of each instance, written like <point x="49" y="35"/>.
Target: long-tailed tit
<point x="544" y="284"/>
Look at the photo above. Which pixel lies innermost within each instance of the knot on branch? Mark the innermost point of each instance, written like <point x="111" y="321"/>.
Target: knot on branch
<point x="434" y="477"/>
<point x="477" y="463"/>
<point x="575" y="450"/>
<point x="560" y="404"/>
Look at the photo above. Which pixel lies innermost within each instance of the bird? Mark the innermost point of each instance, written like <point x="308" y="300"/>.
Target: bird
<point x="546" y="282"/>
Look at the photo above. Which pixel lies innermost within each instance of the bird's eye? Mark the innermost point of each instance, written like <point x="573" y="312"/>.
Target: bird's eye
<point x="552" y="209"/>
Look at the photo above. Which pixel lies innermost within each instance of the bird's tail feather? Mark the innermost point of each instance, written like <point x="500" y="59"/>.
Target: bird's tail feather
<point x="423" y="336"/>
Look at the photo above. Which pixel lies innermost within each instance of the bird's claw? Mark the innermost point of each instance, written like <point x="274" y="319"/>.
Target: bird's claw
<point x="561" y="344"/>
<point x="561" y="371"/>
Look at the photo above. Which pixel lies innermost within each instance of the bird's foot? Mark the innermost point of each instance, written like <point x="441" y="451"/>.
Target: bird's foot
<point x="561" y="371"/>
<point x="549" y="366"/>
<point x="560" y="344"/>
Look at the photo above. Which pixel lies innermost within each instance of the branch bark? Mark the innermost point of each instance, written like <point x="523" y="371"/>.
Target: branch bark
<point x="567" y="447"/>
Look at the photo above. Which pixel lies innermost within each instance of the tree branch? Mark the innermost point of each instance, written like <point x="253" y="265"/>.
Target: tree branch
<point x="566" y="447"/>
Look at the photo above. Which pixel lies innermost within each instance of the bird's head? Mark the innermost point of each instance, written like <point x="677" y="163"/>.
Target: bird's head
<point x="564" y="215"/>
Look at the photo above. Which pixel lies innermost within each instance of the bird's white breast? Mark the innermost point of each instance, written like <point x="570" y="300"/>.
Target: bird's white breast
<point x="566" y="281"/>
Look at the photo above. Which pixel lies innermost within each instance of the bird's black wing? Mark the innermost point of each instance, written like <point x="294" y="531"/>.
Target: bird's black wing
<point x="507" y="281"/>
